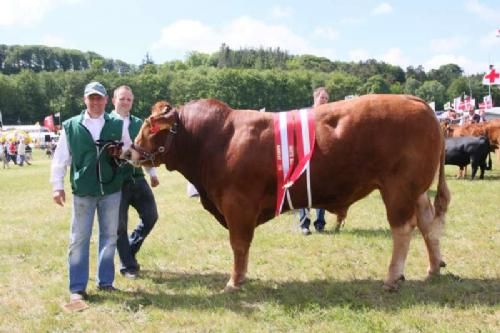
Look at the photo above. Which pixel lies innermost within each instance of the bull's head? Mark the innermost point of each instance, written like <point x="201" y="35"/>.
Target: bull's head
<point x="155" y="136"/>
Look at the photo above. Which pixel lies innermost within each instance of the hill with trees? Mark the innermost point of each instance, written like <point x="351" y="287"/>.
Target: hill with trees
<point x="36" y="81"/>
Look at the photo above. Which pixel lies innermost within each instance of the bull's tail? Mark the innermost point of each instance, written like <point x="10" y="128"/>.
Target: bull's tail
<point x="442" y="199"/>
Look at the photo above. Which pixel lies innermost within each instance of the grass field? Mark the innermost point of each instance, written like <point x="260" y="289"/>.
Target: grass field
<point x="320" y="283"/>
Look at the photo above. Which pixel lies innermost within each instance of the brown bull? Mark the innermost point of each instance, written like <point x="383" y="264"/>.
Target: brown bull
<point x="391" y="143"/>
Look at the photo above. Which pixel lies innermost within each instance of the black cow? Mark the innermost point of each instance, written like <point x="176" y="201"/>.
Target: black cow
<point x="468" y="149"/>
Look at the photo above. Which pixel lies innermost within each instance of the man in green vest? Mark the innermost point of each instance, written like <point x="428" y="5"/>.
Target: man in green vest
<point x="135" y="191"/>
<point x="96" y="186"/>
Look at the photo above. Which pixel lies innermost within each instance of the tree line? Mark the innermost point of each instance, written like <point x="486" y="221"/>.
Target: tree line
<point x="36" y="81"/>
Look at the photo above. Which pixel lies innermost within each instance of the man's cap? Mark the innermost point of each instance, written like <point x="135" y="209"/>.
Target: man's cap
<point x="95" y="88"/>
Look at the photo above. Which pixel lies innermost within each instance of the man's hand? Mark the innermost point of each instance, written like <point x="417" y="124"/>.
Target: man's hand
<point x="154" y="181"/>
<point x="115" y="150"/>
<point x="59" y="197"/>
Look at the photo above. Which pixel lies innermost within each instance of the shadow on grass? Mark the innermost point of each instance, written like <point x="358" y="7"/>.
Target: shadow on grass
<point x="378" y="233"/>
<point x="202" y="292"/>
<point x="487" y="177"/>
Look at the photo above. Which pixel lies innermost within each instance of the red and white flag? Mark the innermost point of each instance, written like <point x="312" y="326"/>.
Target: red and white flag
<point x="487" y="102"/>
<point x="48" y="122"/>
<point x="492" y="77"/>
<point x="457" y="104"/>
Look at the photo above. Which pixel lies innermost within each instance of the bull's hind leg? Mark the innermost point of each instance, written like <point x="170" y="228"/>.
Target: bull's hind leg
<point x="400" y="209"/>
<point x="401" y="236"/>
<point x="431" y="229"/>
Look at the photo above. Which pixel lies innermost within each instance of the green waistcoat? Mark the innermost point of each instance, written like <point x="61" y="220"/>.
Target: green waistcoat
<point x="90" y="176"/>
<point x="128" y="172"/>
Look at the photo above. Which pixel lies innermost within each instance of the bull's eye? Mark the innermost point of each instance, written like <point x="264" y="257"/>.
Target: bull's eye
<point x="161" y="149"/>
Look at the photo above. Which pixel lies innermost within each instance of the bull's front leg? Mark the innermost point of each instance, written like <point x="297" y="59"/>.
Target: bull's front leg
<point x="241" y="222"/>
<point x="240" y="236"/>
<point x="341" y="216"/>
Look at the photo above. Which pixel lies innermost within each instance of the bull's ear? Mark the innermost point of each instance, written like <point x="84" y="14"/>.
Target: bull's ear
<point x="162" y="121"/>
<point x="166" y="109"/>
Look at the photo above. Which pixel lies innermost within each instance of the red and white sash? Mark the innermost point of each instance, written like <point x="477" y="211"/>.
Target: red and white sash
<point x="290" y="127"/>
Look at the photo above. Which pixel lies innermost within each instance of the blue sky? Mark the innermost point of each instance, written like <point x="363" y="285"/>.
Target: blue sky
<point x="428" y="33"/>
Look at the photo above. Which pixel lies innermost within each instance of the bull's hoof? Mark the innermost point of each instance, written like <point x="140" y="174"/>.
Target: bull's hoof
<point x="435" y="271"/>
<point x="230" y="289"/>
<point x="394" y="286"/>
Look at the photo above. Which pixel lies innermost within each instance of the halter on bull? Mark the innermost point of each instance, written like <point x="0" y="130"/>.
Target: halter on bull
<point x="386" y="142"/>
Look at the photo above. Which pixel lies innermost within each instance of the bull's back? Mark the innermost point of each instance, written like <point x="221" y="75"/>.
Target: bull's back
<point x="365" y="142"/>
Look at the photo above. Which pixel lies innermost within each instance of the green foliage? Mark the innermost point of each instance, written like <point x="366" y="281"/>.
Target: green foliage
<point x="39" y="58"/>
<point x="411" y="86"/>
<point x="432" y="91"/>
<point x="375" y="85"/>
<point x="41" y="80"/>
<point x="445" y="74"/>
<point x="342" y="84"/>
<point x="311" y="62"/>
<point x="417" y="73"/>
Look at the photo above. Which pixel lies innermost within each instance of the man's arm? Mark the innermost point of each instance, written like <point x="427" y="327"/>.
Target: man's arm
<point x="60" y="160"/>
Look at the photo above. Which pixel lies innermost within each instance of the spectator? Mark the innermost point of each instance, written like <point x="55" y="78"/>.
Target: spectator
<point x="95" y="187"/>
<point x="482" y="116"/>
<point x="21" y="153"/>
<point x="320" y="97"/>
<point x="4" y="154"/>
<point x="470" y="117"/>
<point x="12" y="152"/>
<point x="135" y="191"/>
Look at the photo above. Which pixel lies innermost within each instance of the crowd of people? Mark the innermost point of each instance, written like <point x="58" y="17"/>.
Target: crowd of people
<point x="469" y="116"/>
<point x="15" y="151"/>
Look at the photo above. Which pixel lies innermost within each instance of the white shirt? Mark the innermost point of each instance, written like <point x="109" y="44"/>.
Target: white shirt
<point x="62" y="155"/>
<point x="127" y="141"/>
<point x="21" y="148"/>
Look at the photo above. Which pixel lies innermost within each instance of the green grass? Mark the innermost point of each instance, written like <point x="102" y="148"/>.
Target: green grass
<point x="321" y="283"/>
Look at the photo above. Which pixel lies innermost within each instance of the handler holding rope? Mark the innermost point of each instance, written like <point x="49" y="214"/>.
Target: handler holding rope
<point x="96" y="186"/>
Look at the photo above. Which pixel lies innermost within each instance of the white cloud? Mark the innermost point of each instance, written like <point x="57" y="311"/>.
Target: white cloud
<point x="490" y="40"/>
<point x="383" y="8"/>
<point x="358" y="55"/>
<point x="484" y="12"/>
<point x="446" y="45"/>
<point x="25" y="12"/>
<point x="394" y="56"/>
<point x="469" y="66"/>
<point x="55" y="41"/>
<point x="281" y="12"/>
<point x="351" y="20"/>
<point x="243" y="32"/>
<point x="327" y="33"/>
<point x="188" y="35"/>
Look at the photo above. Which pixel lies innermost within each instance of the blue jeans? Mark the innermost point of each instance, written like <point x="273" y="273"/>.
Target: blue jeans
<point x="137" y="194"/>
<point x="84" y="209"/>
<point x="305" y="222"/>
